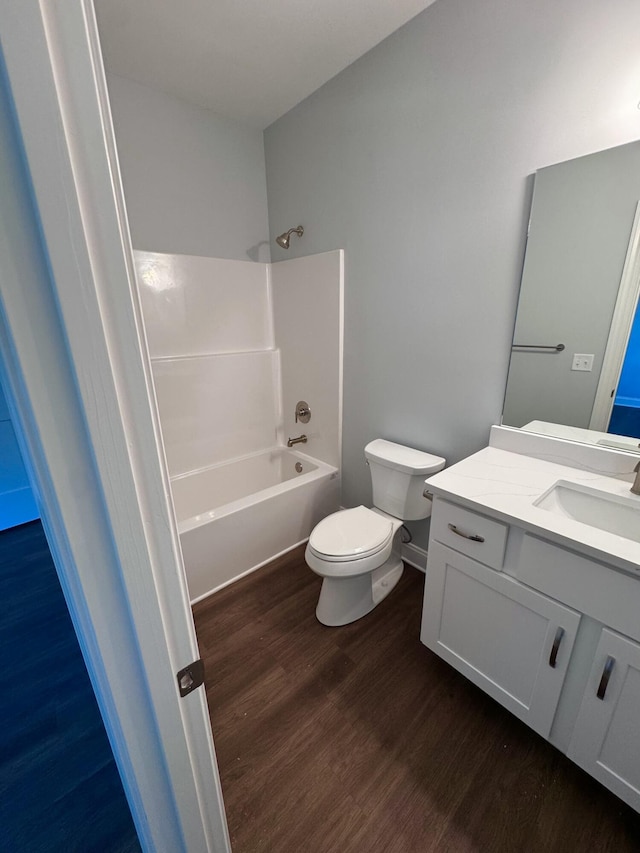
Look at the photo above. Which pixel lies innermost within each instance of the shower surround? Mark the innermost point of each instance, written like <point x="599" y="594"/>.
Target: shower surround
<point x="234" y="345"/>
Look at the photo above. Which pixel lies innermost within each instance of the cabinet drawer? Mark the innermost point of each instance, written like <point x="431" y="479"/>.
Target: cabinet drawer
<point x="466" y="531"/>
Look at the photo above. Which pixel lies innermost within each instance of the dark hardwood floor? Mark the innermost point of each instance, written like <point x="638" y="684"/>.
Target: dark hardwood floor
<point x="60" y="791"/>
<point x="360" y="740"/>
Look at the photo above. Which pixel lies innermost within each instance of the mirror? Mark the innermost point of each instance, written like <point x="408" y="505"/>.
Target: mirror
<point x="575" y="362"/>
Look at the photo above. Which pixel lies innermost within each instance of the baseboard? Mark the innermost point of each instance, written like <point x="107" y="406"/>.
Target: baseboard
<point x="415" y="556"/>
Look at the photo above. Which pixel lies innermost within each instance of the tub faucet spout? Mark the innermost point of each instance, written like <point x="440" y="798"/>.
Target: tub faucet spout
<point x="301" y="439"/>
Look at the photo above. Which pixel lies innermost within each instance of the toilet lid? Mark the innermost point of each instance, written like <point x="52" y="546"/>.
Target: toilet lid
<point x="355" y="533"/>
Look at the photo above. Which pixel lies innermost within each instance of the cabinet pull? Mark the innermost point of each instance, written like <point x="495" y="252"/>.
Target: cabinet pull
<point x="606" y="675"/>
<point x="472" y="536"/>
<point x="553" y="657"/>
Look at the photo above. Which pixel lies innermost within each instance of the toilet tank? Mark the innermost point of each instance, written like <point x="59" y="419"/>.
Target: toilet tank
<point x="397" y="475"/>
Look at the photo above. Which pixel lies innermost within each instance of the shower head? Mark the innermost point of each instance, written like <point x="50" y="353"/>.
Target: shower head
<point x="283" y="239"/>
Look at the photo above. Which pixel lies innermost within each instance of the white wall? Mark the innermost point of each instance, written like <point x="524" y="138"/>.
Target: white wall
<point x="194" y="181"/>
<point x="416" y="160"/>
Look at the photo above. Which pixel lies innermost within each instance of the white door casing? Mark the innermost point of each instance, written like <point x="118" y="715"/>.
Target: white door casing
<point x="621" y="323"/>
<point x="75" y="355"/>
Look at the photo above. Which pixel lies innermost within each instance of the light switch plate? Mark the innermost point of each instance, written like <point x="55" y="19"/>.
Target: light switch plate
<point x="582" y="361"/>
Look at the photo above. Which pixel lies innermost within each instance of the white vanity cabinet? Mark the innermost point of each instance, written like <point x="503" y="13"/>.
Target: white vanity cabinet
<point x="605" y="739"/>
<point x="544" y="631"/>
<point x="508" y="639"/>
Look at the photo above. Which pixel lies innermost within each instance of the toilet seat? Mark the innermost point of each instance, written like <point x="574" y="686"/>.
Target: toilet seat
<point x="351" y="534"/>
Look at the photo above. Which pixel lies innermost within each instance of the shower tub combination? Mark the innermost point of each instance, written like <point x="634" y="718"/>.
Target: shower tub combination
<point x="234" y="348"/>
<point x="235" y="517"/>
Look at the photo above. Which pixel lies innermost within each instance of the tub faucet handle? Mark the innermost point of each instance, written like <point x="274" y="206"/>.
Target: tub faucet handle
<point x="303" y="412"/>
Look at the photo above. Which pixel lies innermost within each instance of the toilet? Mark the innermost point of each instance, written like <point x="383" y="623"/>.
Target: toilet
<point x="357" y="551"/>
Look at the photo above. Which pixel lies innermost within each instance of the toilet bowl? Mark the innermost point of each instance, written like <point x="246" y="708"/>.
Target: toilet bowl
<point x="357" y="551"/>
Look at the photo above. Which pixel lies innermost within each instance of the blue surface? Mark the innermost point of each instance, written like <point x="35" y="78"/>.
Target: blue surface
<point x="625" y="416"/>
<point x="17" y="503"/>
<point x="625" y="420"/>
<point x="59" y="786"/>
<point x="628" y="390"/>
<point x="17" y="507"/>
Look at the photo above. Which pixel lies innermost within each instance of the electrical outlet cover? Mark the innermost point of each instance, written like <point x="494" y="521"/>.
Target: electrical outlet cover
<point x="582" y="361"/>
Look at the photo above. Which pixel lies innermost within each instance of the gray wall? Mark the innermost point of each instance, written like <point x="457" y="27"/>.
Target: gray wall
<point x="417" y="160"/>
<point x="581" y="220"/>
<point x="194" y="182"/>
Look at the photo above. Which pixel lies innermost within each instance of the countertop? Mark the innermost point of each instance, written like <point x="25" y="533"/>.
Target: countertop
<point x="506" y="484"/>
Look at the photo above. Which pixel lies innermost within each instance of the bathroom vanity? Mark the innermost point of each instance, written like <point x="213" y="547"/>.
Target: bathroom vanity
<point x="533" y="593"/>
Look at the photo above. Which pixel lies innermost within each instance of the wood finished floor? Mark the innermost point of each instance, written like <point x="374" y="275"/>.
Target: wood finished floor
<point x="360" y="740"/>
<point x="60" y="791"/>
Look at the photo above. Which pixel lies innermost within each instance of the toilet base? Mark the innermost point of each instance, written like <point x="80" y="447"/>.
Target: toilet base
<point x="344" y="600"/>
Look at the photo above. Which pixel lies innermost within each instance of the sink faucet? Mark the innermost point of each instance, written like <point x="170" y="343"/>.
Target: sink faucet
<point x="635" y="489"/>
<point x="302" y="439"/>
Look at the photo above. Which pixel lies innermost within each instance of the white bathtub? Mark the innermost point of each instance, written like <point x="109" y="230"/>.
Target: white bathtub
<point x="234" y="518"/>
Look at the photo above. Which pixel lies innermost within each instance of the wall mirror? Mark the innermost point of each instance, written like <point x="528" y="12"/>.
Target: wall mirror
<point x="575" y="361"/>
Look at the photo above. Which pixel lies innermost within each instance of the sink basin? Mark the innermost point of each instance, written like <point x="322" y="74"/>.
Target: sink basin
<point x="613" y="513"/>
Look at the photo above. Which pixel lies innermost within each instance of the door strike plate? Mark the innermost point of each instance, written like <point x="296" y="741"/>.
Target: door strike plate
<point x="190" y="677"/>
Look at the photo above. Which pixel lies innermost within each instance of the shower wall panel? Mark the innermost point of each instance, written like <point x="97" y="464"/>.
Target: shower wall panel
<point x="308" y="324"/>
<point x="235" y="345"/>
<point x="200" y="306"/>
<point x="216" y="372"/>
<point x="216" y="408"/>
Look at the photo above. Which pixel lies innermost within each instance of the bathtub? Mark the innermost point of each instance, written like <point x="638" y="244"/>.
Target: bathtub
<point x="235" y="517"/>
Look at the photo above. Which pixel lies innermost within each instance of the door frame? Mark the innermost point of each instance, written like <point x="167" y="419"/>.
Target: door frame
<point x="621" y="323"/>
<point x="76" y="366"/>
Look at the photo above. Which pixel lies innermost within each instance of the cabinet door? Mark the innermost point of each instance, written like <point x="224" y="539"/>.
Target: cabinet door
<point x="605" y="739"/>
<point x="511" y="641"/>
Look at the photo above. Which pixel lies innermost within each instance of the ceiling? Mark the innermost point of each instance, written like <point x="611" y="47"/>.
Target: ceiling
<point x="252" y="60"/>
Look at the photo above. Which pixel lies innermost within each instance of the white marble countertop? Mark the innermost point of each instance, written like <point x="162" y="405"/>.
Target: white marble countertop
<point x="506" y="484"/>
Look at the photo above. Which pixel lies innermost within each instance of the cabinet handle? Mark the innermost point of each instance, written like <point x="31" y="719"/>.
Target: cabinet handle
<point x="474" y="537"/>
<point x="553" y="657"/>
<point x="606" y="675"/>
<point x="427" y="494"/>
